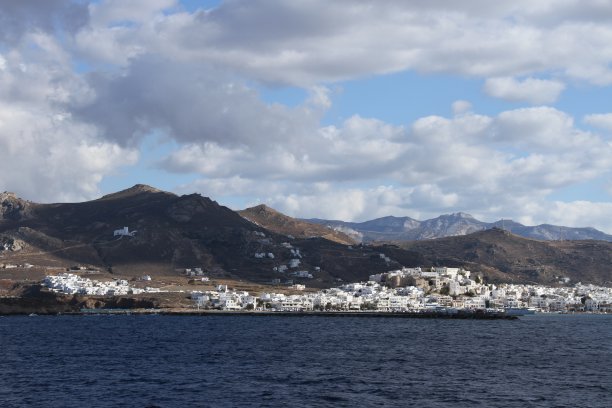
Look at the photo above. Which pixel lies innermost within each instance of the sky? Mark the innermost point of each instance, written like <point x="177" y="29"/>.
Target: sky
<point x="341" y="109"/>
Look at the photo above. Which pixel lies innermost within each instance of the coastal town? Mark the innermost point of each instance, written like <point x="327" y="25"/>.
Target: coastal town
<point x="440" y="289"/>
<point x="71" y="284"/>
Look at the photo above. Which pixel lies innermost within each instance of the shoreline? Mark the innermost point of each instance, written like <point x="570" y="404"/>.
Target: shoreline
<point x="461" y="315"/>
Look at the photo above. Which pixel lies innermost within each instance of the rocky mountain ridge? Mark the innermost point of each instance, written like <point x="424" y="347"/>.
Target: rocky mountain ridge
<point x="408" y="229"/>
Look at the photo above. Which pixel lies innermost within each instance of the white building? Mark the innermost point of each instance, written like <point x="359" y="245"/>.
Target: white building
<point x="124" y="232"/>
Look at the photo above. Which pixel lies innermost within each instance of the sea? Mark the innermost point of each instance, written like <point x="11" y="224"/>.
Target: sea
<point x="306" y="361"/>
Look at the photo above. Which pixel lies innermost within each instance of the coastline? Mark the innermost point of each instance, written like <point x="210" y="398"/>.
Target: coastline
<point x="462" y="315"/>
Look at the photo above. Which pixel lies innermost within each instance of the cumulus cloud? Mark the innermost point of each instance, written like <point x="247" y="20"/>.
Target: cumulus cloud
<point x="526" y="150"/>
<point x="361" y="148"/>
<point x="116" y="12"/>
<point x="22" y="17"/>
<point x="193" y="102"/>
<point x="460" y="107"/>
<point x="502" y="166"/>
<point x="600" y="120"/>
<point x="574" y="214"/>
<point x="51" y="157"/>
<point x="307" y="43"/>
<point x="120" y="30"/>
<point x="393" y="36"/>
<point x="532" y="90"/>
<point x="541" y="128"/>
<point x="47" y="154"/>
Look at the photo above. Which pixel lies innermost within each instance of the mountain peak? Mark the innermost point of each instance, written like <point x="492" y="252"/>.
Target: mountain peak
<point x="7" y="195"/>
<point x="462" y="215"/>
<point x="143" y="188"/>
<point x="13" y="207"/>
<point x="261" y="209"/>
<point x="134" y="190"/>
<point x="497" y="231"/>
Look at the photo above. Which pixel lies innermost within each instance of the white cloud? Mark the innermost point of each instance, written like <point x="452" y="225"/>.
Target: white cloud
<point x="50" y="158"/>
<point x="307" y="43"/>
<point x="361" y="148"/>
<point x="576" y="214"/>
<point x="19" y="18"/>
<point x="540" y="128"/>
<point x="532" y="90"/>
<point x="113" y="12"/>
<point x="47" y="154"/>
<point x="194" y="102"/>
<point x="351" y="203"/>
<point x="460" y="107"/>
<point x="120" y="30"/>
<point x="600" y="120"/>
<point x="342" y="205"/>
<point x="503" y="166"/>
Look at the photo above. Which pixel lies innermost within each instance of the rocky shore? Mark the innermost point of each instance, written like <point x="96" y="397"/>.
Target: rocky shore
<point x="37" y="301"/>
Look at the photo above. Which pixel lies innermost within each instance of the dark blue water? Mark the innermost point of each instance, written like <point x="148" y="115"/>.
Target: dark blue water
<point x="238" y="361"/>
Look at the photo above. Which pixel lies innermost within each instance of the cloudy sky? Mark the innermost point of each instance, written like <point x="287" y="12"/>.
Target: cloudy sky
<point x="332" y="109"/>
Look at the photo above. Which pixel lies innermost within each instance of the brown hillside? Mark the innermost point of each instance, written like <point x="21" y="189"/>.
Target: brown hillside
<point x="282" y="224"/>
<point x="502" y="256"/>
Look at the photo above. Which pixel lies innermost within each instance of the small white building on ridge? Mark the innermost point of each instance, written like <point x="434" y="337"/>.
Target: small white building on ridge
<point x="124" y="232"/>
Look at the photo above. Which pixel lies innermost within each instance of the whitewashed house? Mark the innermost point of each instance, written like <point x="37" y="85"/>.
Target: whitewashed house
<point x="124" y="232"/>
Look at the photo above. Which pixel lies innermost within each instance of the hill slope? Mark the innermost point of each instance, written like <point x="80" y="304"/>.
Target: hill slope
<point x="503" y="256"/>
<point x="282" y="224"/>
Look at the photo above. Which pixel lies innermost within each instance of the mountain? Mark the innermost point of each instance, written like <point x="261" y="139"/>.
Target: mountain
<point x="506" y="257"/>
<point x="13" y="208"/>
<point x="282" y="224"/>
<point x="408" y="229"/>
<point x="553" y="232"/>
<point x="143" y="230"/>
<point x="167" y="233"/>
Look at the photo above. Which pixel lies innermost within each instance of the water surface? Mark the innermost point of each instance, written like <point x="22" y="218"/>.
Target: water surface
<point x="218" y="361"/>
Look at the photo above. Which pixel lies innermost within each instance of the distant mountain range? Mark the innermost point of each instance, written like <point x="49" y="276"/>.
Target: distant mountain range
<point x="457" y="224"/>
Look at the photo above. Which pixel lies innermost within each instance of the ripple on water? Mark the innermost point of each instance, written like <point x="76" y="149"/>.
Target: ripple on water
<point x="274" y="361"/>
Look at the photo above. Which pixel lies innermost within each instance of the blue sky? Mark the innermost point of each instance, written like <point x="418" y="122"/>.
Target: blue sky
<point x="346" y="110"/>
